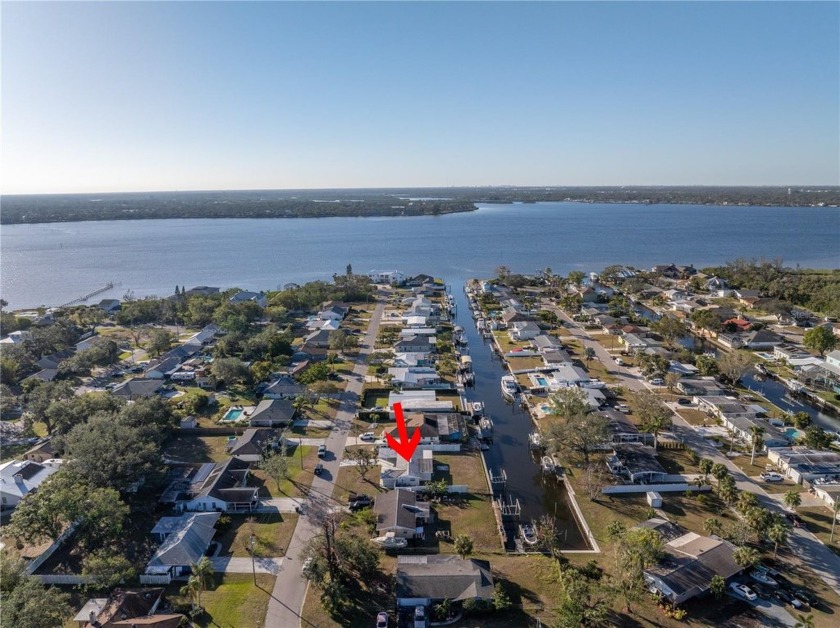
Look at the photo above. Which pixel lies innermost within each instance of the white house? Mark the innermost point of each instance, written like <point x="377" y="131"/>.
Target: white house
<point x="392" y="277"/>
<point x="221" y="487"/>
<point x="523" y="330"/>
<point x="19" y="478"/>
<point x="397" y="472"/>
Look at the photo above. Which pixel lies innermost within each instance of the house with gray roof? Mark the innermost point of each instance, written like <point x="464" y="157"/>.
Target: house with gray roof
<point x="400" y="513"/>
<point x="246" y="296"/>
<point x="250" y="446"/>
<point x="272" y="413"/>
<point x="184" y="540"/>
<point x="430" y="579"/>
<point x="636" y="463"/>
<point x="137" y="388"/>
<point x="284" y="387"/>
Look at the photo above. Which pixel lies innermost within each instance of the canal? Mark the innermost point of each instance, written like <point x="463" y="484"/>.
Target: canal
<point x="538" y="493"/>
<point x="776" y="393"/>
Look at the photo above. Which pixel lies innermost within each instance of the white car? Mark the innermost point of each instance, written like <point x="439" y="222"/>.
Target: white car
<point x="771" y="476"/>
<point x="657" y="381"/>
<point x="367" y="436"/>
<point x="743" y="590"/>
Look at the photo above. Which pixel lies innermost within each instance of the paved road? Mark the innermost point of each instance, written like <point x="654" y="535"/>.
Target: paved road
<point x="810" y="550"/>
<point x="775" y="614"/>
<point x="289" y="592"/>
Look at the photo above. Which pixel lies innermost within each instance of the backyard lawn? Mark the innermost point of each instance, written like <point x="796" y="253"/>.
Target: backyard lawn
<point x="230" y="600"/>
<point x="185" y="448"/>
<point x="302" y="461"/>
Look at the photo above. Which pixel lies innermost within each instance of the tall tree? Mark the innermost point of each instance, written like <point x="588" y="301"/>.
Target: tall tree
<point x="746" y="556"/>
<point x="756" y="440"/>
<point x="579" y="434"/>
<point x="819" y="339"/>
<point x="777" y="533"/>
<point x="26" y="602"/>
<point x="717" y="586"/>
<point x="654" y="415"/>
<point x="734" y="365"/>
<point x="276" y="464"/>
<point x="463" y="545"/>
<point x="792" y="499"/>
<point x="160" y="340"/>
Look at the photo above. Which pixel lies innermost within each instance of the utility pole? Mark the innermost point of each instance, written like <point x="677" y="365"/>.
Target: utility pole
<point x="300" y="448"/>
<point x="253" y="544"/>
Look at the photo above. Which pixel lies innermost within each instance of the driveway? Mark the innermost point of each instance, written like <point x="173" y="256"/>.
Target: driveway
<point x="775" y="613"/>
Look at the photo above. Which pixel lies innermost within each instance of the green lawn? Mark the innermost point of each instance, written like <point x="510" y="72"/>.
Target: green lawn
<point x="231" y="600"/>
<point x="464" y="468"/>
<point x="350" y="482"/>
<point x="302" y="461"/>
<point x="272" y="530"/>
<point x="471" y="515"/>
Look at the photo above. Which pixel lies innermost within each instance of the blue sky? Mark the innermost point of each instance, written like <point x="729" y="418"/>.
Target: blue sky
<point x="111" y="96"/>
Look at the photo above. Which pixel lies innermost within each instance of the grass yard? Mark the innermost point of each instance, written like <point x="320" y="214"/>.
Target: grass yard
<point x="196" y="448"/>
<point x="818" y="519"/>
<point x="472" y="515"/>
<point x="464" y="468"/>
<point x="528" y="362"/>
<point x="273" y="531"/>
<point x="506" y="344"/>
<point x="695" y="417"/>
<point x="350" y="482"/>
<point x="302" y="461"/>
<point x="677" y="460"/>
<point x="230" y="600"/>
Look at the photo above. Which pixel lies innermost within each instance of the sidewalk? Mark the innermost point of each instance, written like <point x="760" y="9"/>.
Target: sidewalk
<point x="230" y="564"/>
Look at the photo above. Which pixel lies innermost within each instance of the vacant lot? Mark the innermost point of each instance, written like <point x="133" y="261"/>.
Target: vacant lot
<point x="273" y="531"/>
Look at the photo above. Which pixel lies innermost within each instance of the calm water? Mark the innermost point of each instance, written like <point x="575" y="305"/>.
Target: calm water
<point x="53" y="263"/>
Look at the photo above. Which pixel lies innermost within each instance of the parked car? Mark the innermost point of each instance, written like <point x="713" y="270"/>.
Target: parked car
<point x="809" y="598"/>
<point x="763" y="578"/>
<point x="763" y="591"/>
<point x="771" y="476"/>
<point x="743" y="590"/>
<point x="789" y="598"/>
<point x="683" y="401"/>
<point x="319" y="468"/>
<point x="382" y="620"/>
<point x="367" y="436"/>
<point x="359" y="502"/>
<point x="623" y="407"/>
<point x="657" y="381"/>
<point x="322" y="451"/>
<point x="619" y="361"/>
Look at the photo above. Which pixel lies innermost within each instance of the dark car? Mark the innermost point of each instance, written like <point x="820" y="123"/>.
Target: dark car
<point x="683" y="401"/>
<point x="788" y="598"/>
<point x="319" y="468"/>
<point x="358" y="502"/>
<point x="762" y="590"/>
<point x="795" y="520"/>
<point x="806" y="596"/>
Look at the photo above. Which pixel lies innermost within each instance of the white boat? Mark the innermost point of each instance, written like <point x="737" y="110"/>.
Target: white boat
<point x="509" y="387"/>
<point x="547" y="464"/>
<point x="535" y="440"/>
<point x="477" y="408"/>
<point x="390" y="541"/>
<point x="528" y="533"/>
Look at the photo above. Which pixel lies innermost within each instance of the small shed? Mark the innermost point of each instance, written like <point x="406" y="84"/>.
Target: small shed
<point x="654" y="499"/>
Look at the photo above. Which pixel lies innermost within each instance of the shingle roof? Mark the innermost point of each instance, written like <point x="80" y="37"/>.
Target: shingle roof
<point x="252" y="441"/>
<point x="398" y="508"/>
<point x="187" y="541"/>
<point x="437" y="577"/>
<point x="273" y="411"/>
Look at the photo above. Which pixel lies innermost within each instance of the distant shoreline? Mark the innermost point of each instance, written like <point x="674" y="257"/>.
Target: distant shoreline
<point x="62" y="208"/>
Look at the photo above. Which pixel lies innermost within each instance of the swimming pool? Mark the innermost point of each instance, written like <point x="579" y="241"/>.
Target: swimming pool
<point x="232" y="414"/>
<point x="541" y="381"/>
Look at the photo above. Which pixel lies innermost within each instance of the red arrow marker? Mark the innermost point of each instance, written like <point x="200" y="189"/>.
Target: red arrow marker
<point x="405" y="446"/>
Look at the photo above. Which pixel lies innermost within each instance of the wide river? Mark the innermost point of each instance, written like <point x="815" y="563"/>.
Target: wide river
<point x="50" y="264"/>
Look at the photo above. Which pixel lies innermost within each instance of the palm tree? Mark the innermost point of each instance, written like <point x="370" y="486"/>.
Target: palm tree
<point x="757" y="438"/>
<point x="804" y="621"/>
<point x="717" y="586"/>
<point x="746" y="556"/>
<point x="589" y="353"/>
<point x="719" y="470"/>
<point x="835" y="510"/>
<point x="746" y="500"/>
<point x="713" y="525"/>
<point x="777" y="533"/>
<point x="705" y="468"/>
<point x="202" y="571"/>
<point x="792" y="499"/>
<point x="192" y="590"/>
<point x="463" y="545"/>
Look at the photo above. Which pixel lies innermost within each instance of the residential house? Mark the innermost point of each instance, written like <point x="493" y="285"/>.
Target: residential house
<point x="220" y="486"/>
<point x="434" y="428"/>
<point x="738" y="324"/>
<point x="15" y="338"/>
<point x="418" y="331"/>
<point x="419" y="401"/>
<point x="415" y="377"/>
<point x="415" y="344"/>
<point x="545" y="342"/>
<point x="272" y="413"/>
<point x="184" y="540"/>
<point x="791" y="352"/>
<point x="391" y="277"/>
<point x="414" y="358"/>
<point x="41" y="452"/>
<point x="733" y="341"/>
<point x="565" y="375"/>
<point x="419" y="280"/>
<point x="137" y="389"/>
<point x="109" y="306"/>
<point x="245" y="297"/>
<point x="284" y="387"/>
<point x="53" y="360"/>
<point x="556" y="358"/>
<point x="833" y="358"/>
<point x="634" y="342"/>
<point x="747" y="297"/>
<point x="126" y="609"/>
<point x="423" y="580"/>
<point x="700" y="387"/>
<point x="636" y="463"/>
<point x="688" y="565"/>
<point x="742" y="425"/>
<point x="396" y="471"/>
<point x="18" y="478"/>
<point x="510" y="316"/>
<point x="318" y="339"/>
<point x="251" y="444"/>
<point x="45" y="375"/>
<point x="205" y="336"/>
<point x="623" y="431"/>
<point x="162" y="369"/>
<point x="802" y="464"/>
<point x="188" y="423"/>
<point x="400" y="514"/>
<point x="762" y="340"/>
<point x="523" y="330"/>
